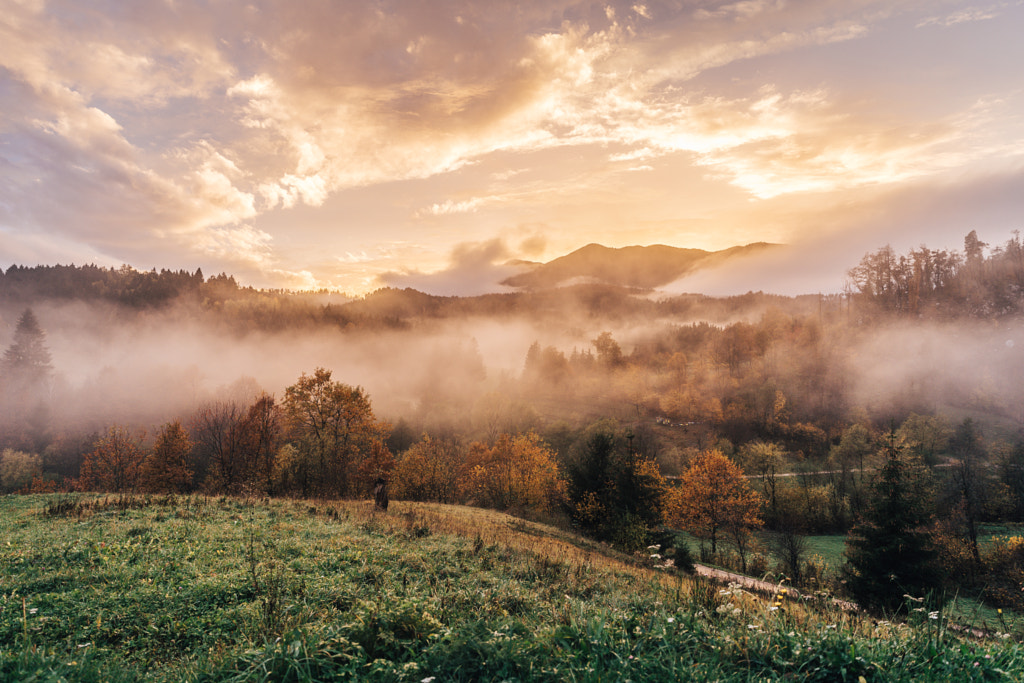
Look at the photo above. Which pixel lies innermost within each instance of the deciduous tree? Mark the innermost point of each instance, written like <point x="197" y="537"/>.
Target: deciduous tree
<point x="712" y="498"/>
<point x="431" y="470"/>
<point x="516" y="472"/>
<point x="262" y="431"/>
<point x="17" y="469"/>
<point x="220" y="439"/>
<point x="115" y="463"/>
<point x="167" y="469"/>
<point x="332" y="426"/>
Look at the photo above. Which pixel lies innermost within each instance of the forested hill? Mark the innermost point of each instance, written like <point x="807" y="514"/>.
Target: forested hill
<point x="980" y="282"/>
<point x="221" y="298"/>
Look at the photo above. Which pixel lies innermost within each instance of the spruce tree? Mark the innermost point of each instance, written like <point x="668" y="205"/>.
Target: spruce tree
<point x="25" y="371"/>
<point x="889" y="551"/>
<point x="27" y="361"/>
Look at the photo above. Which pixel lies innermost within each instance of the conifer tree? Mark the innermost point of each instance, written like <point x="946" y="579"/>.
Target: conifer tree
<point x="889" y="551"/>
<point x="25" y="371"/>
<point x="27" y="361"/>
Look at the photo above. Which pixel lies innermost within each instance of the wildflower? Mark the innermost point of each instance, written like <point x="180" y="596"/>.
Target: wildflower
<point x="933" y="615"/>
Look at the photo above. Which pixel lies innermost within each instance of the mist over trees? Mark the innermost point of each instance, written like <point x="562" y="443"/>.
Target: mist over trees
<point x="585" y="403"/>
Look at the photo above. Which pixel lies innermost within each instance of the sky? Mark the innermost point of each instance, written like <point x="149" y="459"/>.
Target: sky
<point x="354" y="145"/>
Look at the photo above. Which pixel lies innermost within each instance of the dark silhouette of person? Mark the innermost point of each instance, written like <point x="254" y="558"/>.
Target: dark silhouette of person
<point x="380" y="494"/>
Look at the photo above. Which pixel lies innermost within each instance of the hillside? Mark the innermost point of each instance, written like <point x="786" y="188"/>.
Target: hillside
<point x="217" y="589"/>
<point x="642" y="267"/>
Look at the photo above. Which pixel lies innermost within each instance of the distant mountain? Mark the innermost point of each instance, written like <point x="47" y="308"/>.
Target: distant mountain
<point x="643" y="267"/>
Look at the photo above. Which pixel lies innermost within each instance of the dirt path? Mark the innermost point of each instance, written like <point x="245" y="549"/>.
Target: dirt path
<point x="746" y="581"/>
<point x="760" y="586"/>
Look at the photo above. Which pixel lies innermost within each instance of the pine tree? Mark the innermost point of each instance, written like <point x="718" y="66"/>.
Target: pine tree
<point x="27" y="361"/>
<point x="25" y="371"/>
<point x="889" y="552"/>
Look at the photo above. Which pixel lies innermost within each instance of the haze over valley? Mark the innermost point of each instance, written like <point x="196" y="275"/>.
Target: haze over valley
<point x="340" y="339"/>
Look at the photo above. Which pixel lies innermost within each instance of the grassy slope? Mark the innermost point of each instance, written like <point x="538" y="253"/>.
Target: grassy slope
<point x="222" y="589"/>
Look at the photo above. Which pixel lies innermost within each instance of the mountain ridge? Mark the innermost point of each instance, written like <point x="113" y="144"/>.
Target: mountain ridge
<point x="644" y="267"/>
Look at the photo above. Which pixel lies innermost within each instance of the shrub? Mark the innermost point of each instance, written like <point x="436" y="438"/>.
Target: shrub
<point x="18" y="469"/>
<point x="1005" y="564"/>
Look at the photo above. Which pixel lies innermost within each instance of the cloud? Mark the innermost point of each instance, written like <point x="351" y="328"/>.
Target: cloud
<point x="474" y="268"/>
<point x="534" y="245"/>
<point x="178" y="128"/>
<point x="448" y="207"/>
<point x="967" y="15"/>
<point x="936" y="214"/>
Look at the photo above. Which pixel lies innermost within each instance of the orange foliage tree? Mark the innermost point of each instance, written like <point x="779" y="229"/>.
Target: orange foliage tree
<point x="167" y="468"/>
<point x="332" y="427"/>
<point x="431" y="470"/>
<point x="516" y="472"/>
<point x="115" y="463"/>
<point x="713" y="497"/>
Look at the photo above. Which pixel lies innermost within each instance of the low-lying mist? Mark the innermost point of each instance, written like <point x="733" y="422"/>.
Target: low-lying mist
<point x="113" y="365"/>
<point x="946" y="368"/>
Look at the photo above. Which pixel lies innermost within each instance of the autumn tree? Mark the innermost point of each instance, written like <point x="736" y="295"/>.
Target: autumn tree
<point x="848" y="457"/>
<point x="889" y="553"/>
<point x="713" y="498"/>
<point x="925" y="436"/>
<point x="332" y="426"/>
<point x="261" y="437"/>
<point x="430" y="470"/>
<point x="115" y="464"/>
<point x="517" y="472"/>
<point x="609" y="353"/>
<point x="765" y="461"/>
<point x="220" y="444"/>
<point x="167" y="469"/>
<point x="18" y="469"/>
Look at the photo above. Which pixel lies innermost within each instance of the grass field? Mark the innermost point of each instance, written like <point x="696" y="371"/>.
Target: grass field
<point x="112" y="589"/>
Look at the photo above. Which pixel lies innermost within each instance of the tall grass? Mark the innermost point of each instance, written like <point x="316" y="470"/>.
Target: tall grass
<point x="234" y="590"/>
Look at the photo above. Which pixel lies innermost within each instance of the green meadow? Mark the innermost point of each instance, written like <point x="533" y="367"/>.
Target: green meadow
<point x="114" y="588"/>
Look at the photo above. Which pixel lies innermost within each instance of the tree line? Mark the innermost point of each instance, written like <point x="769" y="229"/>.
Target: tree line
<point x="719" y="429"/>
<point x="940" y="283"/>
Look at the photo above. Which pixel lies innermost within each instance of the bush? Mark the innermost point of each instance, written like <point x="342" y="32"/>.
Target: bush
<point x="1005" y="571"/>
<point x="18" y="469"/>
